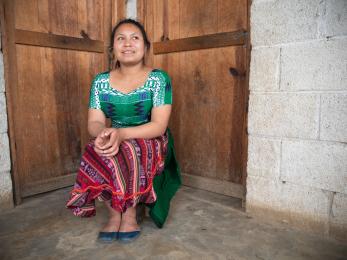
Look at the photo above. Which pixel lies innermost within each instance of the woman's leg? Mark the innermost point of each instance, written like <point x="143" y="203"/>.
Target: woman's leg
<point x="114" y="221"/>
<point x="129" y="222"/>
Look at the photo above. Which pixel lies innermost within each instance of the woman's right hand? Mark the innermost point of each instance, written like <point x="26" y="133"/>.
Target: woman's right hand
<point x="99" y="142"/>
<point x="107" y="142"/>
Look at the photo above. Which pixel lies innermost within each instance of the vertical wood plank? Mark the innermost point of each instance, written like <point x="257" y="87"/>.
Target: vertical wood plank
<point x="230" y="126"/>
<point x="232" y="15"/>
<point x="29" y="17"/>
<point x="158" y="20"/>
<point x="64" y="17"/>
<point x="159" y="61"/>
<point x="150" y="28"/>
<point x="140" y="10"/>
<point x="173" y="70"/>
<point x="43" y="16"/>
<point x="82" y="17"/>
<point x="89" y="65"/>
<point x="119" y="11"/>
<point x="30" y="96"/>
<point x="107" y="29"/>
<point x="203" y="20"/>
<point x="96" y="18"/>
<point x="49" y="132"/>
<point x="198" y="75"/>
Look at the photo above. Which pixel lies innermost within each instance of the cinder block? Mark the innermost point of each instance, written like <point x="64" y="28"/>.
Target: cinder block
<point x="338" y="219"/>
<point x="264" y="157"/>
<point x="2" y="75"/>
<point x="335" y="18"/>
<point x="320" y="65"/>
<point x="6" y="195"/>
<point x="264" y="193"/>
<point x="334" y="117"/>
<point x="5" y="160"/>
<point x="284" y="115"/>
<point x="281" y="21"/>
<point x="302" y="205"/>
<point x="318" y="164"/>
<point x="265" y="67"/>
<point x="3" y="114"/>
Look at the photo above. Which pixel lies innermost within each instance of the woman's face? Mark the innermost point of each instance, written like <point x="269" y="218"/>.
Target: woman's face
<point x="129" y="47"/>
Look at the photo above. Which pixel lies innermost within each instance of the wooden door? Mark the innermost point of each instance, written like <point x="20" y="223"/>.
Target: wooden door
<point x="52" y="48"/>
<point x="204" y="47"/>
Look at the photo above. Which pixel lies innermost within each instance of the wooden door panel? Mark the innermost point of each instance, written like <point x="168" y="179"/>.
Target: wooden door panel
<point x="210" y="86"/>
<point x="53" y="114"/>
<point x="207" y="117"/>
<point x="54" y="48"/>
<point x="61" y="17"/>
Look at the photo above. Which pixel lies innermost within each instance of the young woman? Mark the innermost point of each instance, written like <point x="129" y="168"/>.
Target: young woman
<point x="119" y="166"/>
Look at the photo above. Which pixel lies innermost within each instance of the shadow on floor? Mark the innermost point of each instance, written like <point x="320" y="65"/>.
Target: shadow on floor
<point x="202" y="225"/>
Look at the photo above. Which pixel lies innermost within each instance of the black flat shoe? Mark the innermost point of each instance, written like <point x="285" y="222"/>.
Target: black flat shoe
<point x="127" y="237"/>
<point x="107" y="237"/>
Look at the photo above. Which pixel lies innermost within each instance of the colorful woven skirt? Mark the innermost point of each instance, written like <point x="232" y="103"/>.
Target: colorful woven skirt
<point x="125" y="180"/>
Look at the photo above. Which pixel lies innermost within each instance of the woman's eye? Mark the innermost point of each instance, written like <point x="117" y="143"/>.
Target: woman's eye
<point x="120" y="38"/>
<point x="136" y="37"/>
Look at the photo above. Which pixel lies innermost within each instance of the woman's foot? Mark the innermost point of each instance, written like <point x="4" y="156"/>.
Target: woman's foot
<point x="129" y="229"/>
<point x="114" y="220"/>
<point x="129" y="223"/>
<point x="109" y="232"/>
<point x="113" y="224"/>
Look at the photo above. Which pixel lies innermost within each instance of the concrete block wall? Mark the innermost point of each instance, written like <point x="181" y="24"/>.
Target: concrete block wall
<point x="297" y="125"/>
<point x="6" y="192"/>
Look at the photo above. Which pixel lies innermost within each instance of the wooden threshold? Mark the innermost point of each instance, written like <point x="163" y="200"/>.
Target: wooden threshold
<point x="57" y="41"/>
<point x="201" y="42"/>
<point x="213" y="185"/>
<point x="48" y="185"/>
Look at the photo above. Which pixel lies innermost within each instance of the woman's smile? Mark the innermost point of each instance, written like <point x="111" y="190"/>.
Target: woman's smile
<point x="128" y="52"/>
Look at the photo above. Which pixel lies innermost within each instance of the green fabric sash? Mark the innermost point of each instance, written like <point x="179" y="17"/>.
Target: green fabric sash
<point x="165" y="186"/>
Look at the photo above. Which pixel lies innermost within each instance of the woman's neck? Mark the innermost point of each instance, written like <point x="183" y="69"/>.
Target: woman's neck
<point x="131" y="70"/>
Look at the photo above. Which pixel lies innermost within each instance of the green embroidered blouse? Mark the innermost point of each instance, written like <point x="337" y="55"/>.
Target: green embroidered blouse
<point x="133" y="108"/>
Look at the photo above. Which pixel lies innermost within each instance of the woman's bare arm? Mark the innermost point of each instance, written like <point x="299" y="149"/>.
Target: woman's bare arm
<point x="96" y="122"/>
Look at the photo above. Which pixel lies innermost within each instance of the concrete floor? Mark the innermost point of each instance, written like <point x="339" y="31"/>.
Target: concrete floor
<point x="202" y="225"/>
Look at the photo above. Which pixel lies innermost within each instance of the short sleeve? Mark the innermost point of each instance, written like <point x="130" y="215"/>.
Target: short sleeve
<point x="94" y="101"/>
<point x="162" y="93"/>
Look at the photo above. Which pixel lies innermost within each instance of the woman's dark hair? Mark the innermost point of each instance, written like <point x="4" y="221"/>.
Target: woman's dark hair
<point x="114" y="30"/>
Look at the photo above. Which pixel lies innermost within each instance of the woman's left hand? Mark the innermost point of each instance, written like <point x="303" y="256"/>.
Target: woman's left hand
<point x="111" y="146"/>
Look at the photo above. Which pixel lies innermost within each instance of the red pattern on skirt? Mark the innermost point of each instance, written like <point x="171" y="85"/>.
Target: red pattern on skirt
<point x="126" y="179"/>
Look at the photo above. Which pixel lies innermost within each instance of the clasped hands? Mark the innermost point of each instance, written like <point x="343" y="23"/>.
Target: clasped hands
<point x="107" y="142"/>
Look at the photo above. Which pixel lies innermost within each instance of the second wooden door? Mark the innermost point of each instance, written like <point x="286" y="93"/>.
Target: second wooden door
<point x="203" y="45"/>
